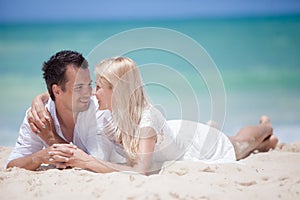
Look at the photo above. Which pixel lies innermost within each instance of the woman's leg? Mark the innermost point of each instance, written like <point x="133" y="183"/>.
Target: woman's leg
<point x="252" y="138"/>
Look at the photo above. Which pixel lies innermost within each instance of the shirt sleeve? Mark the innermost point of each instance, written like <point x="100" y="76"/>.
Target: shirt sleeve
<point x="27" y="142"/>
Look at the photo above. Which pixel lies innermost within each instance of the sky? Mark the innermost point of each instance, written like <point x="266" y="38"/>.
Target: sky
<point x="72" y="10"/>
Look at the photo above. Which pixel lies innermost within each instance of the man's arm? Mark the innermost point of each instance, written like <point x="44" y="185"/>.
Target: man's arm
<point x="141" y="164"/>
<point x="31" y="162"/>
<point x="49" y="155"/>
<point x="28" y="150"/>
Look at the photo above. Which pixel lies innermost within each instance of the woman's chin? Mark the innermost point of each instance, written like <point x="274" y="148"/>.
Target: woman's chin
<point x="100" y="108"/>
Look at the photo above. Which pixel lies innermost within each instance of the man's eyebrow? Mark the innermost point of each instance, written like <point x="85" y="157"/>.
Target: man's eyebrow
<point x="78" y="84"/>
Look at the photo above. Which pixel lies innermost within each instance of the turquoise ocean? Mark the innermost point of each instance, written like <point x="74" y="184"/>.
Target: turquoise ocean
<point x="258" y="59"/>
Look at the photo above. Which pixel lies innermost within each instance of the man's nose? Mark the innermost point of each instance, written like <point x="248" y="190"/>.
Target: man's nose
<point x="87" y="90"/>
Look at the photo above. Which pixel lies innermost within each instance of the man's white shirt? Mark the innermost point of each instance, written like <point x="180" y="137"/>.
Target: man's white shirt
<point x="85" y="135"/>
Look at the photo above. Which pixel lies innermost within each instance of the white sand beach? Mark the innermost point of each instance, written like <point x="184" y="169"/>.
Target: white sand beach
<point x="271" y="175"/>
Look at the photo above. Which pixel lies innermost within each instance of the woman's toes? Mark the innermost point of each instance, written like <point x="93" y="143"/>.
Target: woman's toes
<point x="266" y="122"/>
<point x="264" y="119"/>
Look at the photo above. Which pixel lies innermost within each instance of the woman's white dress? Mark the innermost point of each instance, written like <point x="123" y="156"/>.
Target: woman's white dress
<point x="176" y="140"/>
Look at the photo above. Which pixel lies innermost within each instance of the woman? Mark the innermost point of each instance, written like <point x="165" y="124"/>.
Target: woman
<point x="143" y="136"/>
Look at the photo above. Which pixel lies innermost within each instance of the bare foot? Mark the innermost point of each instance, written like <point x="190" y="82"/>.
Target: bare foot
<point x="271" y="141"/>
<point x="251" y="138"/>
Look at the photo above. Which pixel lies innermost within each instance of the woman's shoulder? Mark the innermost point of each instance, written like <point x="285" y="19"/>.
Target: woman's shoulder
<point x="153" y="118"/>
<point x="151" y="113"/>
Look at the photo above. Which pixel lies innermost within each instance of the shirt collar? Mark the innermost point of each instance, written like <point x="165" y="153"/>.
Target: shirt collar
<point x="52" y="109"/>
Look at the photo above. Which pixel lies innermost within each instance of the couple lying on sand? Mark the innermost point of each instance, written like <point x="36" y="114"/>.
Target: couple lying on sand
<point x="121" y="130"/>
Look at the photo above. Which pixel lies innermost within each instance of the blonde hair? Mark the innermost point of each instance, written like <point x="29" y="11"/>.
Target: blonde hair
<point x="128" y="100"/>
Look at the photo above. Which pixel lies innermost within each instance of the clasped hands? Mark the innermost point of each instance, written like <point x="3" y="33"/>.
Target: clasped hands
<point x="59" y="153"/>
<point x="67" y="155"/>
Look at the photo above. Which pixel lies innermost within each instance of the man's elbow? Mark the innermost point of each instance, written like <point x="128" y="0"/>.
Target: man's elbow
<point x="10" y="164"/>
<point x="15" y="163"/>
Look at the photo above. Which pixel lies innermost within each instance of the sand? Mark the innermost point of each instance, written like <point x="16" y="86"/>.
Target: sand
<point x="271" y="175"/>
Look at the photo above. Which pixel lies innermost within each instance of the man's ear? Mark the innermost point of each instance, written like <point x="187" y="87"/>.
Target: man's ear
<point x="56" y="90"/>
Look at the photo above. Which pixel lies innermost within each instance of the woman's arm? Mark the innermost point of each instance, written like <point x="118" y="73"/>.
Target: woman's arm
<point x="48" y="133"/>
<point x="38" y="115"/>
<point x="41" y="122"/>
<point x="142" y="163"/>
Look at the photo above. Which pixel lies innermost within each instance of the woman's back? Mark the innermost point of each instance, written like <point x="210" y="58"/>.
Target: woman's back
<point x="176" y="140"/>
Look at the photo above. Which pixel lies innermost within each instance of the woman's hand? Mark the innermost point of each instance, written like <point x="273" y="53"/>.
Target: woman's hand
<point x="47" y="132"/>
<point x="41" y="122"/>
<point x="79" y="159"/>
<point x="38" y="116"/>
<point x="68" y="155"/>
<point x="60" y="154"/>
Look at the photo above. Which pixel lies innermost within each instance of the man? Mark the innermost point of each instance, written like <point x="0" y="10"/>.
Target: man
<point x="69" y="84"/>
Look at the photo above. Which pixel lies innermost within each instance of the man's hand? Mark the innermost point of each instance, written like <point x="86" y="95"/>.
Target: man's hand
<point x="66" y="155"/>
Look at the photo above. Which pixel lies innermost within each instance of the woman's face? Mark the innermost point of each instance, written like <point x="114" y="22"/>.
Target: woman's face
<point x="104" y="94"/>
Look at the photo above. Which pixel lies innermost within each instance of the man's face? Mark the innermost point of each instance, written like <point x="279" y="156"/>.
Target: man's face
<point x="78" y="89"/>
